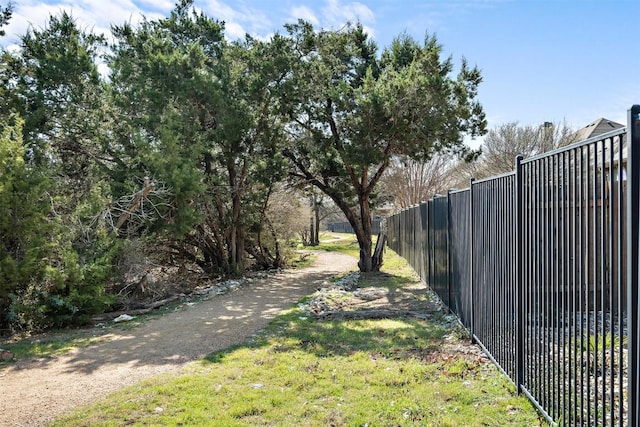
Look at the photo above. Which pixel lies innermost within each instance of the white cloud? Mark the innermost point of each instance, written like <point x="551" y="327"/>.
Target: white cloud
<point x="303" y="12"/>
<point x="94" y="15"/>
<point x="239" y="19"/>
<point x="26" y="16"/>
<point x="99" y="15"/>
<point x="222" y="11"/>
<point x="233" y="30"/>
<point x="337" y="14"/>
<point x="159" y="5"/>
<point x="240" y="16"/>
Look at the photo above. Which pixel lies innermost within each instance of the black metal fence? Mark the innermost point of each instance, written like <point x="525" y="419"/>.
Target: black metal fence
<point x="541" y="266"/>
<point x="345" y="227"/>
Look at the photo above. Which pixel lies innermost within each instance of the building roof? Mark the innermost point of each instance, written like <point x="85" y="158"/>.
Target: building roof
<point x="597" y="127"/>
<point x="602" y="151"/>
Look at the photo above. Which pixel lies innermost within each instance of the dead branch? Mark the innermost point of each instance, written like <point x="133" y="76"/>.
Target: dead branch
<point x="147" y="188"/>
<point x="366" y="314"/>
<point x="147" y="308"/>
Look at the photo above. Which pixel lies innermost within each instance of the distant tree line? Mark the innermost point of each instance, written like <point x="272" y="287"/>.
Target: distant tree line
<point x="173" y="135"/>
<point x="410" y="182"/>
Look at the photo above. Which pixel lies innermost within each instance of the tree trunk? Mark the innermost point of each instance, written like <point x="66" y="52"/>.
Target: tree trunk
<point x="364" y="264"/>
<point x="277" y="260"/>
<point x="236" y="240"/>
<point x="361" y="225"/>
<point x="232" y="246"/>
<point x="368" y="261"/>
<point x="316" y="209"/>
<point x="378" y="253"/>
<point x="314" y="221"/>
<point x="312" y="236"/>
<point x="238" y="268"/>
<point x="363" y="234"/>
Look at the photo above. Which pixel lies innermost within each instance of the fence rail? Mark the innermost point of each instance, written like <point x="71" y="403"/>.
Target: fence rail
<point x="541" y="266"/>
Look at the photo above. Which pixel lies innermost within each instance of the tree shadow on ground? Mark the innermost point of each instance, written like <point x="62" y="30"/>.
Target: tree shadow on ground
<point x="189" y="333"/>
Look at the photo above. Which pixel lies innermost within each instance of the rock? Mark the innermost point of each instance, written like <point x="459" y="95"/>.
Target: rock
<point x="6" y="355"/>
<point x="370" y="293"/>
<point x="123" y="318"/>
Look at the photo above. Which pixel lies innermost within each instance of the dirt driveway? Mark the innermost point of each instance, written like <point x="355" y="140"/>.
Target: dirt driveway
<point x="33" y="392"/>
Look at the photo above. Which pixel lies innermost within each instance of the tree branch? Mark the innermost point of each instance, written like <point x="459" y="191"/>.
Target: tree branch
<point x="337" y="141"/>
<point x="304" y="172"/>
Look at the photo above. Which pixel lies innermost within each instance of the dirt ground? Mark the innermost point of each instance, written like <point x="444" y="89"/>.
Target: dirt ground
<point x="35" y="391"/>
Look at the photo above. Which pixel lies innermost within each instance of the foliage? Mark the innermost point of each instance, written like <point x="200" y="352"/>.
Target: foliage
<point x="352" y="112"/>
<point x="57" y="254"/>
<point x="212" y="128"/>
<point x="54" y="84"/>
<point x="201" y="110"/>
<point x="5" y="16"/>
<point x="22" y="217"/>
<point x="42" y="280"/>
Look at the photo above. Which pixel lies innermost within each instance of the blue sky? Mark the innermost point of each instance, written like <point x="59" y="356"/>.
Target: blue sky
<point x="541" y="60"/>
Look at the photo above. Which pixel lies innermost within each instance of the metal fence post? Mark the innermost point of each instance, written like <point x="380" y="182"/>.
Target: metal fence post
<point x="471" y="262"/>
<point x="633" y="240"/>
<point x="430" y="242"/>
<point x="449" y="272"/>
<point x="519" y="276"/>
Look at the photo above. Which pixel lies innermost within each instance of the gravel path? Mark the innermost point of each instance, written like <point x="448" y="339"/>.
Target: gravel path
<point x="33" y="392"/>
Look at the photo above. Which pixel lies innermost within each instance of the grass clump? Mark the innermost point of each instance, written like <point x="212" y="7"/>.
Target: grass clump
<point x="301" y="260"/>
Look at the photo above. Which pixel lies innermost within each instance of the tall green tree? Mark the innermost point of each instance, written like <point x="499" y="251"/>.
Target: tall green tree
<point x="23" y="214"/>
<point x="52" y="83"/>
<point x="43" y="280"/>
<point x="199" y="114"/>
<point x="352" y="111"/>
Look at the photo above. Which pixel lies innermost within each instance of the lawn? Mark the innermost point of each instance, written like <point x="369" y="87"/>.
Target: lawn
<point x="301" y="371"/>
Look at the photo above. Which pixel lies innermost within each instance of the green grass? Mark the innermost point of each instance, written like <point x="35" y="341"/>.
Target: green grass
<point x="59" y="342"/>
<point x="304" y="372"/>
<point x="50" y="344"/>
<point x="339" y="242"/>
<point x="301" y="260"/>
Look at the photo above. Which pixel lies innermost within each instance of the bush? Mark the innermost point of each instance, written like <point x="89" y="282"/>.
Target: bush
<point x="45" y="280"/>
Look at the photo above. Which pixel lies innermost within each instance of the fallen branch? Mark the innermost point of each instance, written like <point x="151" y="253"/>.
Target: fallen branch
<point x="367" y="314"/>
<point x="162" y="302"/>
<point x="136" y="312"/>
